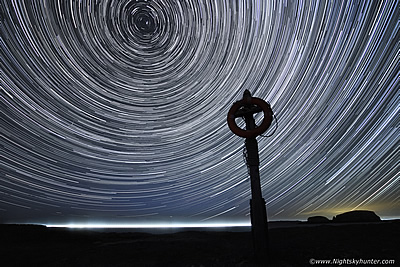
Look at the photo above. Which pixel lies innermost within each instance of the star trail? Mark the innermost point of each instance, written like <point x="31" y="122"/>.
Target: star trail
<point x="115" y="111"/>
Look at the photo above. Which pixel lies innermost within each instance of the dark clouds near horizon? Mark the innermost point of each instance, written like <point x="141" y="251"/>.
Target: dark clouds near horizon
<point x="116" y="110"/>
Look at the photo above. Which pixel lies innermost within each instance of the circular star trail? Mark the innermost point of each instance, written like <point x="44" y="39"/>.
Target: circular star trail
<point x="116" y="110"/>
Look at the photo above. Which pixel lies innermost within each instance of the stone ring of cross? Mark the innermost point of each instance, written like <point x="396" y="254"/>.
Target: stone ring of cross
<point x="247" y="107"/>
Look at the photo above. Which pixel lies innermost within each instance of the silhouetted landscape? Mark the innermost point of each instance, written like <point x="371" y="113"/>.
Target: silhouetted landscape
<point x="291" y="244"/>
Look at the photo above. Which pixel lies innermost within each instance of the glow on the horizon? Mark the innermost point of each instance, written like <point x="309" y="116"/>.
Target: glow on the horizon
<point x="149" y="226"/>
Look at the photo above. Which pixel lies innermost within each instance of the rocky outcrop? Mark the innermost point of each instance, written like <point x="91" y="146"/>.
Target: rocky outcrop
<point x="357" y="216"/>
<point x="318" y="219"/>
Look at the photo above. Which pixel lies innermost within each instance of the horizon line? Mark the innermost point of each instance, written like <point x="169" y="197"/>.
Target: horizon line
<point x="146" y="226"/>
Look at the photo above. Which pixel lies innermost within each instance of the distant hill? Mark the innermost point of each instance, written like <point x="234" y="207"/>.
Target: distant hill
<point x="350" y="216"/>
<point x="318" y="219"/>
<point x="357" y="216"/>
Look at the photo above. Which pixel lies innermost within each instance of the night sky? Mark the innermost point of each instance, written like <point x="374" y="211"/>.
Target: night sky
<point x="115" y="111"/>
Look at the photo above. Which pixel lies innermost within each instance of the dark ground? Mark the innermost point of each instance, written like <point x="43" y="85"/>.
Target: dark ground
<point x="28" y="245"/>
